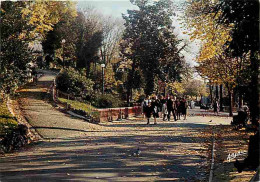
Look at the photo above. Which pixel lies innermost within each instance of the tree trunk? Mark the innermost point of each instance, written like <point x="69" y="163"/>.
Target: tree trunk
<point x="240" y="100"/>
<point x="164" y="91"/>
<point x="217" y="92"/>
<point x="254" y="107"/>
<point x="130" y="83"/>
<point x="230" y="102"/>
<point x="221" y="97"/>
<point x="88" y="69"/>
<point x="128" y="93"/>
<point x="210" y="93"/>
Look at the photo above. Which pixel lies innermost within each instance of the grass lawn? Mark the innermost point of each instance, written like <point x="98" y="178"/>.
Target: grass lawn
<point x="78" y="105"/>
<point x="7" y="121"/>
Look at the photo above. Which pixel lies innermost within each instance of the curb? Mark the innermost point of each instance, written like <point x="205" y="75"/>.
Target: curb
<point x="77" y="115"/>
<point x="32" y="133"/>
<point x="208" y="115"/>
<point x="255" y="178"/>
<point x="212" y="156"/>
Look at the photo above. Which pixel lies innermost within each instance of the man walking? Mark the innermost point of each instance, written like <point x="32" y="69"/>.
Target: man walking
<point x="171" y="106"/>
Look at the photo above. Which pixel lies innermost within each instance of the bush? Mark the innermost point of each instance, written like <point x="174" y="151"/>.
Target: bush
<point x="15" y="139"/>
<point x="73" y="82"/>
<point x="106" y="101"/>
<point x="12" y="135"/>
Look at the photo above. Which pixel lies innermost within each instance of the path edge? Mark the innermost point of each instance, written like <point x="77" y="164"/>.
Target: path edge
<point x="212" y="156"/>
<point x="14" y="108"/>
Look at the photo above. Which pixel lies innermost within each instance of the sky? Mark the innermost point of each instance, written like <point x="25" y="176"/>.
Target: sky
<point x="116" y="8"/>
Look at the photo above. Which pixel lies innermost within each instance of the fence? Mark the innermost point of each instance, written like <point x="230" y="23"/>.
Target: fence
<point x="95" y="115"/>
<point x="112" y="114"/>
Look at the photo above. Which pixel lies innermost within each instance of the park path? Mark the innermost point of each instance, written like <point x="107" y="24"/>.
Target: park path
<point x="48" y="121"/>
<point x="75" y="150"/>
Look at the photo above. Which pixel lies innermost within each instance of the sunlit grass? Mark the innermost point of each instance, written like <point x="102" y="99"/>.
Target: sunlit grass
<point x="7" y="121"/>
<point x="78" y="105"/>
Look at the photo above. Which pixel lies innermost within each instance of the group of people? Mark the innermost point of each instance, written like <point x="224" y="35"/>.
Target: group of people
<point x="164" y="107"/>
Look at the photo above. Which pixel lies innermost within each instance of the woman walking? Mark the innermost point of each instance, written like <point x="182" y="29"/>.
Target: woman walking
<point x="145" y="104"/>
<point x="164" y="111"/>
<point x="216" y="106"/>
<point x="184" y="107"/>
<point x="148" y="112"/>
<point x="179" y="109"/>
<point x="171" y="106"/>
<point x="155" y="107"/>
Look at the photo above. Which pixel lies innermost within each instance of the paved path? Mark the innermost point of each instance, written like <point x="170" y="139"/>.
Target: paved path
<point x="48" y="121"/>
<point x="202" y="112"/>
<point x="81" y="151"/>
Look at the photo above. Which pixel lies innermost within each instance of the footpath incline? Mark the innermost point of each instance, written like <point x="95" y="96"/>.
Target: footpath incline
<point x="75" y="150"/>
<point x="48" y="121"/>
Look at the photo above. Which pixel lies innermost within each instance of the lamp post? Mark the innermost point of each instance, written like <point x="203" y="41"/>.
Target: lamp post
<point x="103" y="66"/>
<point x="63" y="42"/>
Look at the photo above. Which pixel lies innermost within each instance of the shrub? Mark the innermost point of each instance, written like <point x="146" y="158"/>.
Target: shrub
<point x="106" y="101"/>
<point x="12" y="135"/>
<point x="71" y="81"/>
<point x="15" y="139"/>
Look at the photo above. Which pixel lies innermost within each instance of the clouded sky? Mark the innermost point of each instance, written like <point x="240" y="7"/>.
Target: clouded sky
<point x="115" y="8"/>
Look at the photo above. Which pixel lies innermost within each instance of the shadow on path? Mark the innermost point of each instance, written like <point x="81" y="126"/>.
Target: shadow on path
<point x="107" y="159"/>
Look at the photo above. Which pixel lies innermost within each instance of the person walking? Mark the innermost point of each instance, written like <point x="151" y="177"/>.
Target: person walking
<point x="161" y="102"/>
<point x="145" y="104"/>
<point x="178" y="105"/>
<point x="148" y="112"/>
<point x="191" y="104"/>
<point x="142" y="108"/>
<point x="155" y="109"/>
<point x="171" y="106"/>
<point x="164" y="111"/>
<point x="34" y="73"/>
<point x="216" y="106"/>
<point x="184" y="106"/>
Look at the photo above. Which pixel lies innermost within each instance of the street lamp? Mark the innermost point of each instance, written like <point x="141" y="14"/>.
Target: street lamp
<point x="63" y="42"/>
<point x="103" y="66"/>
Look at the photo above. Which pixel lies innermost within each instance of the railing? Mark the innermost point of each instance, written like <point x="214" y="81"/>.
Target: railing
<point x="112" y="114"/>
<point x="104" y="115"/>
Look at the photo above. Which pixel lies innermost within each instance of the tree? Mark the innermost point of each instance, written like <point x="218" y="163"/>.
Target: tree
<point x="83" y="36"/>
<point x="109" y="78"/>
<point x="223" y="70"/>
<point x="244" y="15"/>
<point x="43" y="15"/>
<point x="175" y="88"/>
<point x="151" y="45"/>
<point x="89" y="39"/>
<point x="112" y="29"/>
<point x="194" y="88"/>
<point x="216" y="62"/>
<point x="202" y="23"/>
<point x="24" y="23"/>
<point x="52" y="43"/>
<point x="15" y="53"/>
<point x="71" y="81"/>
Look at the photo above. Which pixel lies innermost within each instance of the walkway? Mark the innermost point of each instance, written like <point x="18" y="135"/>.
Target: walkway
<point x="48" y="121"/>
<point x="74" y="150"/>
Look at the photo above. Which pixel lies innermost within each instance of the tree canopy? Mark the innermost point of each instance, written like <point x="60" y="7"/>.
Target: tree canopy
<point x="150" y="44"/>
<point x="229" y="31"/>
